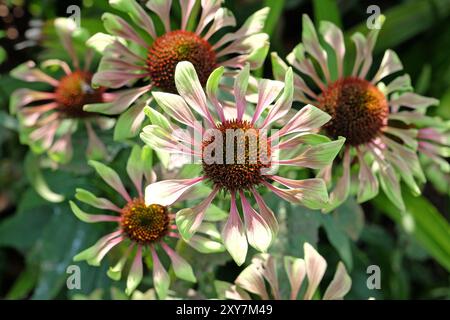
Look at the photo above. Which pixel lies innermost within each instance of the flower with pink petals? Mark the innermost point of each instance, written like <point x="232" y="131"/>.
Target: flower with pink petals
<point x="372" y="116"/>
<point x="236" y="154"/>
<point x="263" y="269"/>
<point x="142" y="229"/>
<point x="137" y="51"/>
<point x="49" y="118"/>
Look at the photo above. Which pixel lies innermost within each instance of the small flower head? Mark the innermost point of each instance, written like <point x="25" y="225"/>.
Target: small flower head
<point x="142" y="229"/>
<point x="236" y="154"/>
<point x="263" y="269"/>
<point x="49" y="118"/>
<point x="371" y="115"/>
<point x="140" y="51"/>
<point x="176" y="46"/>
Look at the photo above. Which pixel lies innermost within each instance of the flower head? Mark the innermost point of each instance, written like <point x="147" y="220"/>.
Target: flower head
<point x="139" y="51"/>
<point x="49" y="118"/>
<point x="236" y="154"/>
<point x="141" y="228"/>
<point x="372" y="116"/>
<point x="263" y="269"/>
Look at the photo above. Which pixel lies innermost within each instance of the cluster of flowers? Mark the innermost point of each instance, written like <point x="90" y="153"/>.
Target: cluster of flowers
<point x="168" y="80"/>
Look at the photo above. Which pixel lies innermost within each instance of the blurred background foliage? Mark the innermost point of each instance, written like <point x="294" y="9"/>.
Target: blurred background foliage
<point x="38" y="239"/>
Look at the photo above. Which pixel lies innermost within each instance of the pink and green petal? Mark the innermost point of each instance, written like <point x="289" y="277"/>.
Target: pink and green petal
<point x="368" y="182"/>
<point x="259" y="234"/>
<point x="161" y="279"/>
<point x="189" y="87"/>
<point x="136" y="272"/>
<point x="189" y="220"/>
<point x="296" y="272"/>
<point x="167" y="192"/>
<point x="181" y="267"/>
<point x="268" y="91"/>
<point x="233" y="234"/>
<point x="136" y="13"/>
<point x="335" y="38"/>
<point x="284" y="103"/>
<point x="315" y="266"/>
<point x="111" y="178"/>
<point x="97" y="202"/>
<point x="342" y="189"/>
<point x="340" y="285"/>
<point x="91" y="218"/>
<point x="162" y="9"/>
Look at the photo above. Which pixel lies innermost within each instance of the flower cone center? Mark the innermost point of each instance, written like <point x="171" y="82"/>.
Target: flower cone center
<point x="176" y="46"/>
<point x="358" y="109"/>
<point x="145" y="224"/>
<point x="75" y="91"/>
<point x="234" y="157"/>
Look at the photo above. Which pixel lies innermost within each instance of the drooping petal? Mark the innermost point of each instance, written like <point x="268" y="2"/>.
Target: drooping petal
<point x="222" y="18"/>
<point x="137" y="14"/>
<point x="116" y="79"/>
<point x="167" y="192"/>
<point x="340" y="285"/>
<point x="91" y="218"/>
<point x="91" y="199"/>
<point x="161" y="279"/>
<point x="189" y="87"/>
<point x="315" y="266"/>
<point x="259" y="234"/>
<point x="253" y="25"/>
<point x="28" y="72"/>
<point x="368" y="182"/>
<point x="162" y="9"/>
<point x="189" y="220"/>
<point x="401" y="83"/>
<point x="240" y="91"/>
<point x="233" y="234"/>
<point x="311" y="193"/>
<point x="117" y="26"/>
<point x="413" y="100"/>
<point x="266" y="213"/>
<point x="342" y="189"/>
<point x="307" y="119"/>
<point x="389" y="65"/>
<point x="284" y="103"/>
<point x="182" y="268"/>
<point x="22" y="97"/>
<point x="333" y="35"/>
<point x="175" y="107"/>
<point x="136" y="272"/>
<point x="91" y="252"/>
<point x="296" y="271"/>
<point x="205" y="245"/>
<point x="186" y="10"/>
<point x="317" y="156"/>
<point x="111" y="178"/>
<point x="212" y="87"/>
<point x="252" y="280"/>
<point x="268" y="91"/>
<point x="115" y="272"/>
<point x="65" y="28"/>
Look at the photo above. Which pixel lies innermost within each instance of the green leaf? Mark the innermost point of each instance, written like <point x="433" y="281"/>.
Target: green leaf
<point x="276" y="9"/>
<point x="24" y="284"/>
<point x="339" y="240"/>
<point x="424" y="222"/>
<point x="327" y="10"/>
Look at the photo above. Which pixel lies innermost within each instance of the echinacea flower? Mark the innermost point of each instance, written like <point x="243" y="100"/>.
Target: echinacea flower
<point x="235" y="153"/>
<point x="141" y="51"/>
<point x="142" y="229"/>
<point x="372" y="116"/>
<point x="263" y="269"/>
<point x="49" y="118"/>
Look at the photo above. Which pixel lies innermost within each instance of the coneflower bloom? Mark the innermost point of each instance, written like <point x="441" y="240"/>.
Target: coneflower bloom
<point x="138" y="51"/>
<point x="371" y="116"/>
<point x="49" y="118"/>
<point x="141" y="229"/>
<point x="236" y="154"/>
<point x="263" y="270"/>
